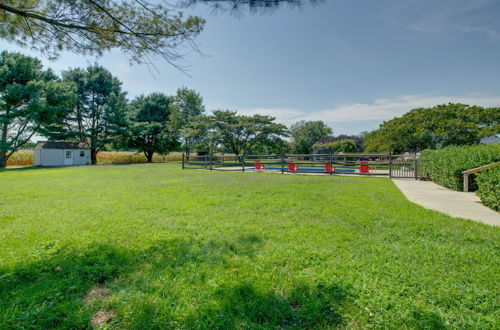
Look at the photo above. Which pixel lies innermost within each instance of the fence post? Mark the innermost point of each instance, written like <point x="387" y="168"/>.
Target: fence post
<point x="390" y="165"/>
<point x="182" y="160"/>
<point x="243" y="163"/>
<point x="331" y="163"/>
<point x="416" y="167"/>
<point x="210" y="161"/>
<point x="466" y="182"/>
<point x="282" y="163"/>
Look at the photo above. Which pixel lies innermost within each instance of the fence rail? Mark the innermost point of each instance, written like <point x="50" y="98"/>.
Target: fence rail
<point x="393" y="166"/>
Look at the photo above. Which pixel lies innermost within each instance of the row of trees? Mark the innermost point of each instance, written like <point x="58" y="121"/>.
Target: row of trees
<point x="89" y="105"/>
<point x="86" y="105"/>
<point x="433" y="128"/>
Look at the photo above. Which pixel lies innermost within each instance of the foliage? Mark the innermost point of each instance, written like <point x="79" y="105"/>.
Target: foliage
<point x="166" y="248"/>
<point x="344" y="145"/>
<point x="141" y="29"/>
<point x="445" y="166"/>
<point x="254" y="6"/>
<point x="98" y="117"/>
<point x="358" y="140"/>
<point x="149" y="129"/>
<point x="240" y="134"/>
<point x="199" y="133"/>
<point x="31" y="101"/>
<point x="306" y="133"/>
<point x="488" y="183"/>
<point x="187" y="105"/>
<point x="431" y="128"/>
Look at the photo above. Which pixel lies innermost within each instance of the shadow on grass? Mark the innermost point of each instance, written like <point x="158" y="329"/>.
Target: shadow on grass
<point x="20" y="168"/>
<point x="245" y="305"/>
<point x="49" y="293"/>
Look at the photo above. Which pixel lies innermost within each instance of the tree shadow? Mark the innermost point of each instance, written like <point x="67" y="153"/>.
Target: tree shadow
<point x="21" y="169"/>
<point x="246" y="305"/>
<point x="52" y="291"/>
<point x="48" y="293"/>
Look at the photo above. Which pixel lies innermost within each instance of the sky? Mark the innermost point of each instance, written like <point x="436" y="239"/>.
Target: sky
<point x="351" y="63"/>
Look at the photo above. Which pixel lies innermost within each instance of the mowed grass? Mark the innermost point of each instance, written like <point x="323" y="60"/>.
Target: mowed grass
<point x="151" y="246"/>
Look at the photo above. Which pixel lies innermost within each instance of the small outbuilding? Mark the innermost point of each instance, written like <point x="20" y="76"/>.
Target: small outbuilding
<point x="55" y="153"/>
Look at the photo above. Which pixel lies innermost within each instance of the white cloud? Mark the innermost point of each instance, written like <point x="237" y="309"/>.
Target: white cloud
<point x="380" y="109"/>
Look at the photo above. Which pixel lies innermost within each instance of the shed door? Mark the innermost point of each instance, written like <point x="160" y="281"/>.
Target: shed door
<point x="68" y="157"/>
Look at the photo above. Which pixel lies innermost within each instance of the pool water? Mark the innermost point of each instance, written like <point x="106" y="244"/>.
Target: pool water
<point x="315" y="170"/>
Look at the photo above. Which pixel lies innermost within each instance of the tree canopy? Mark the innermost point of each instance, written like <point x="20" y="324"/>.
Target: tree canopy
<point x="306" y="133"/>
<point x="141" y="29"/>
<point x="187" y="105"/>
<point x="337" y="146"/>
<point x="98" y="116"/>
<point x="149" y="129"/>
<point x="436" y="127"/>
<point x="240" y="134"/>
<point x="32" y="101"/>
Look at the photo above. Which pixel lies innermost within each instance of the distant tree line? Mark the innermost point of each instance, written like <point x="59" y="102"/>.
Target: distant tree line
<point x="89" y="105"/>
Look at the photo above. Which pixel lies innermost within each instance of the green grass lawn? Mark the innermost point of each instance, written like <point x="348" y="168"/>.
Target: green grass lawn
<point x="152" y="246"/>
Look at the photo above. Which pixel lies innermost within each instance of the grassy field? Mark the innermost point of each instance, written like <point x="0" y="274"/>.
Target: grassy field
<point x="152" y="246"/>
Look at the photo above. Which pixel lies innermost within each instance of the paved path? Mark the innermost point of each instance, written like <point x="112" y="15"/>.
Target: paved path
<point x="457" y="204"/>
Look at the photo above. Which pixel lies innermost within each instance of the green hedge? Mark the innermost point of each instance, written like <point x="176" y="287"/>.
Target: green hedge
<point x="445" y="166"/>
<point x="489" y="188"/>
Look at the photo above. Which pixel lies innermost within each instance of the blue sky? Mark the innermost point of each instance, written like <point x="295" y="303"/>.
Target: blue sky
<point x="351" y="63"/>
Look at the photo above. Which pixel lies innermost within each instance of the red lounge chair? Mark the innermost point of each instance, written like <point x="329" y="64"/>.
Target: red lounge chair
<point x="292" y="167"/>
<point x="329" y="168"/>
<point x="259" y="166"/>
<point x="364" y="168"/>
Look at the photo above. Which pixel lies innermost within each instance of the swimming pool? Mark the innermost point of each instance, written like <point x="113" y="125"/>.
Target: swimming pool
<point x="315" y="170"/>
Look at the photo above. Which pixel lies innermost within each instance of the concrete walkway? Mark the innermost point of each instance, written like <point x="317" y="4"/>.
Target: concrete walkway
<point x="457" y="204"/>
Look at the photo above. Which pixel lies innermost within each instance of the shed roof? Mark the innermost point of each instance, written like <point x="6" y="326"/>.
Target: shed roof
<point x="61" y="145"/>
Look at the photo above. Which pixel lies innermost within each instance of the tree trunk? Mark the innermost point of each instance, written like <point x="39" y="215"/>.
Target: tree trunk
<point x="149" y="156"/>
<point x="93" y="156"/>
<point x="3" y="160"/>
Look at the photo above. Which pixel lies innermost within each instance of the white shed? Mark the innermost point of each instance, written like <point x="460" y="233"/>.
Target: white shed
<point x="55" y="153"/>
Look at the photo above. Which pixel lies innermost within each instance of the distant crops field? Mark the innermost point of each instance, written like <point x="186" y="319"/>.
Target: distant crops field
<point x="25" y="157"/>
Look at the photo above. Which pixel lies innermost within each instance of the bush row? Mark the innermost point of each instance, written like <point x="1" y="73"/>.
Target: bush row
<point x="489" y="188"/>
<point x="445" y="166"/>
<point x="25" y="157"/>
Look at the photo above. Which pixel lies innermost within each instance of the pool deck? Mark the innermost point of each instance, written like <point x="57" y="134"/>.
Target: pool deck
<point x="465" y="205"/>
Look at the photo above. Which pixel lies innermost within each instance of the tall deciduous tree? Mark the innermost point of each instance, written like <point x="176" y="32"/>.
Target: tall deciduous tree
<point x="440" y="126"/>
<point x="239" y="134"/>
<point x="98" y="117"/>
<point x="150" y="130"/>
<point x="32" y="101"/>
<point x="306" y="133"/>
<point x="186" y="106"/>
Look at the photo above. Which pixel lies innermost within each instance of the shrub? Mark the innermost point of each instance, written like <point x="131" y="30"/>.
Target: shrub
<point x="344" y="145"/>
<point x="445" y="166"/>
<point x="488" y="188"/>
